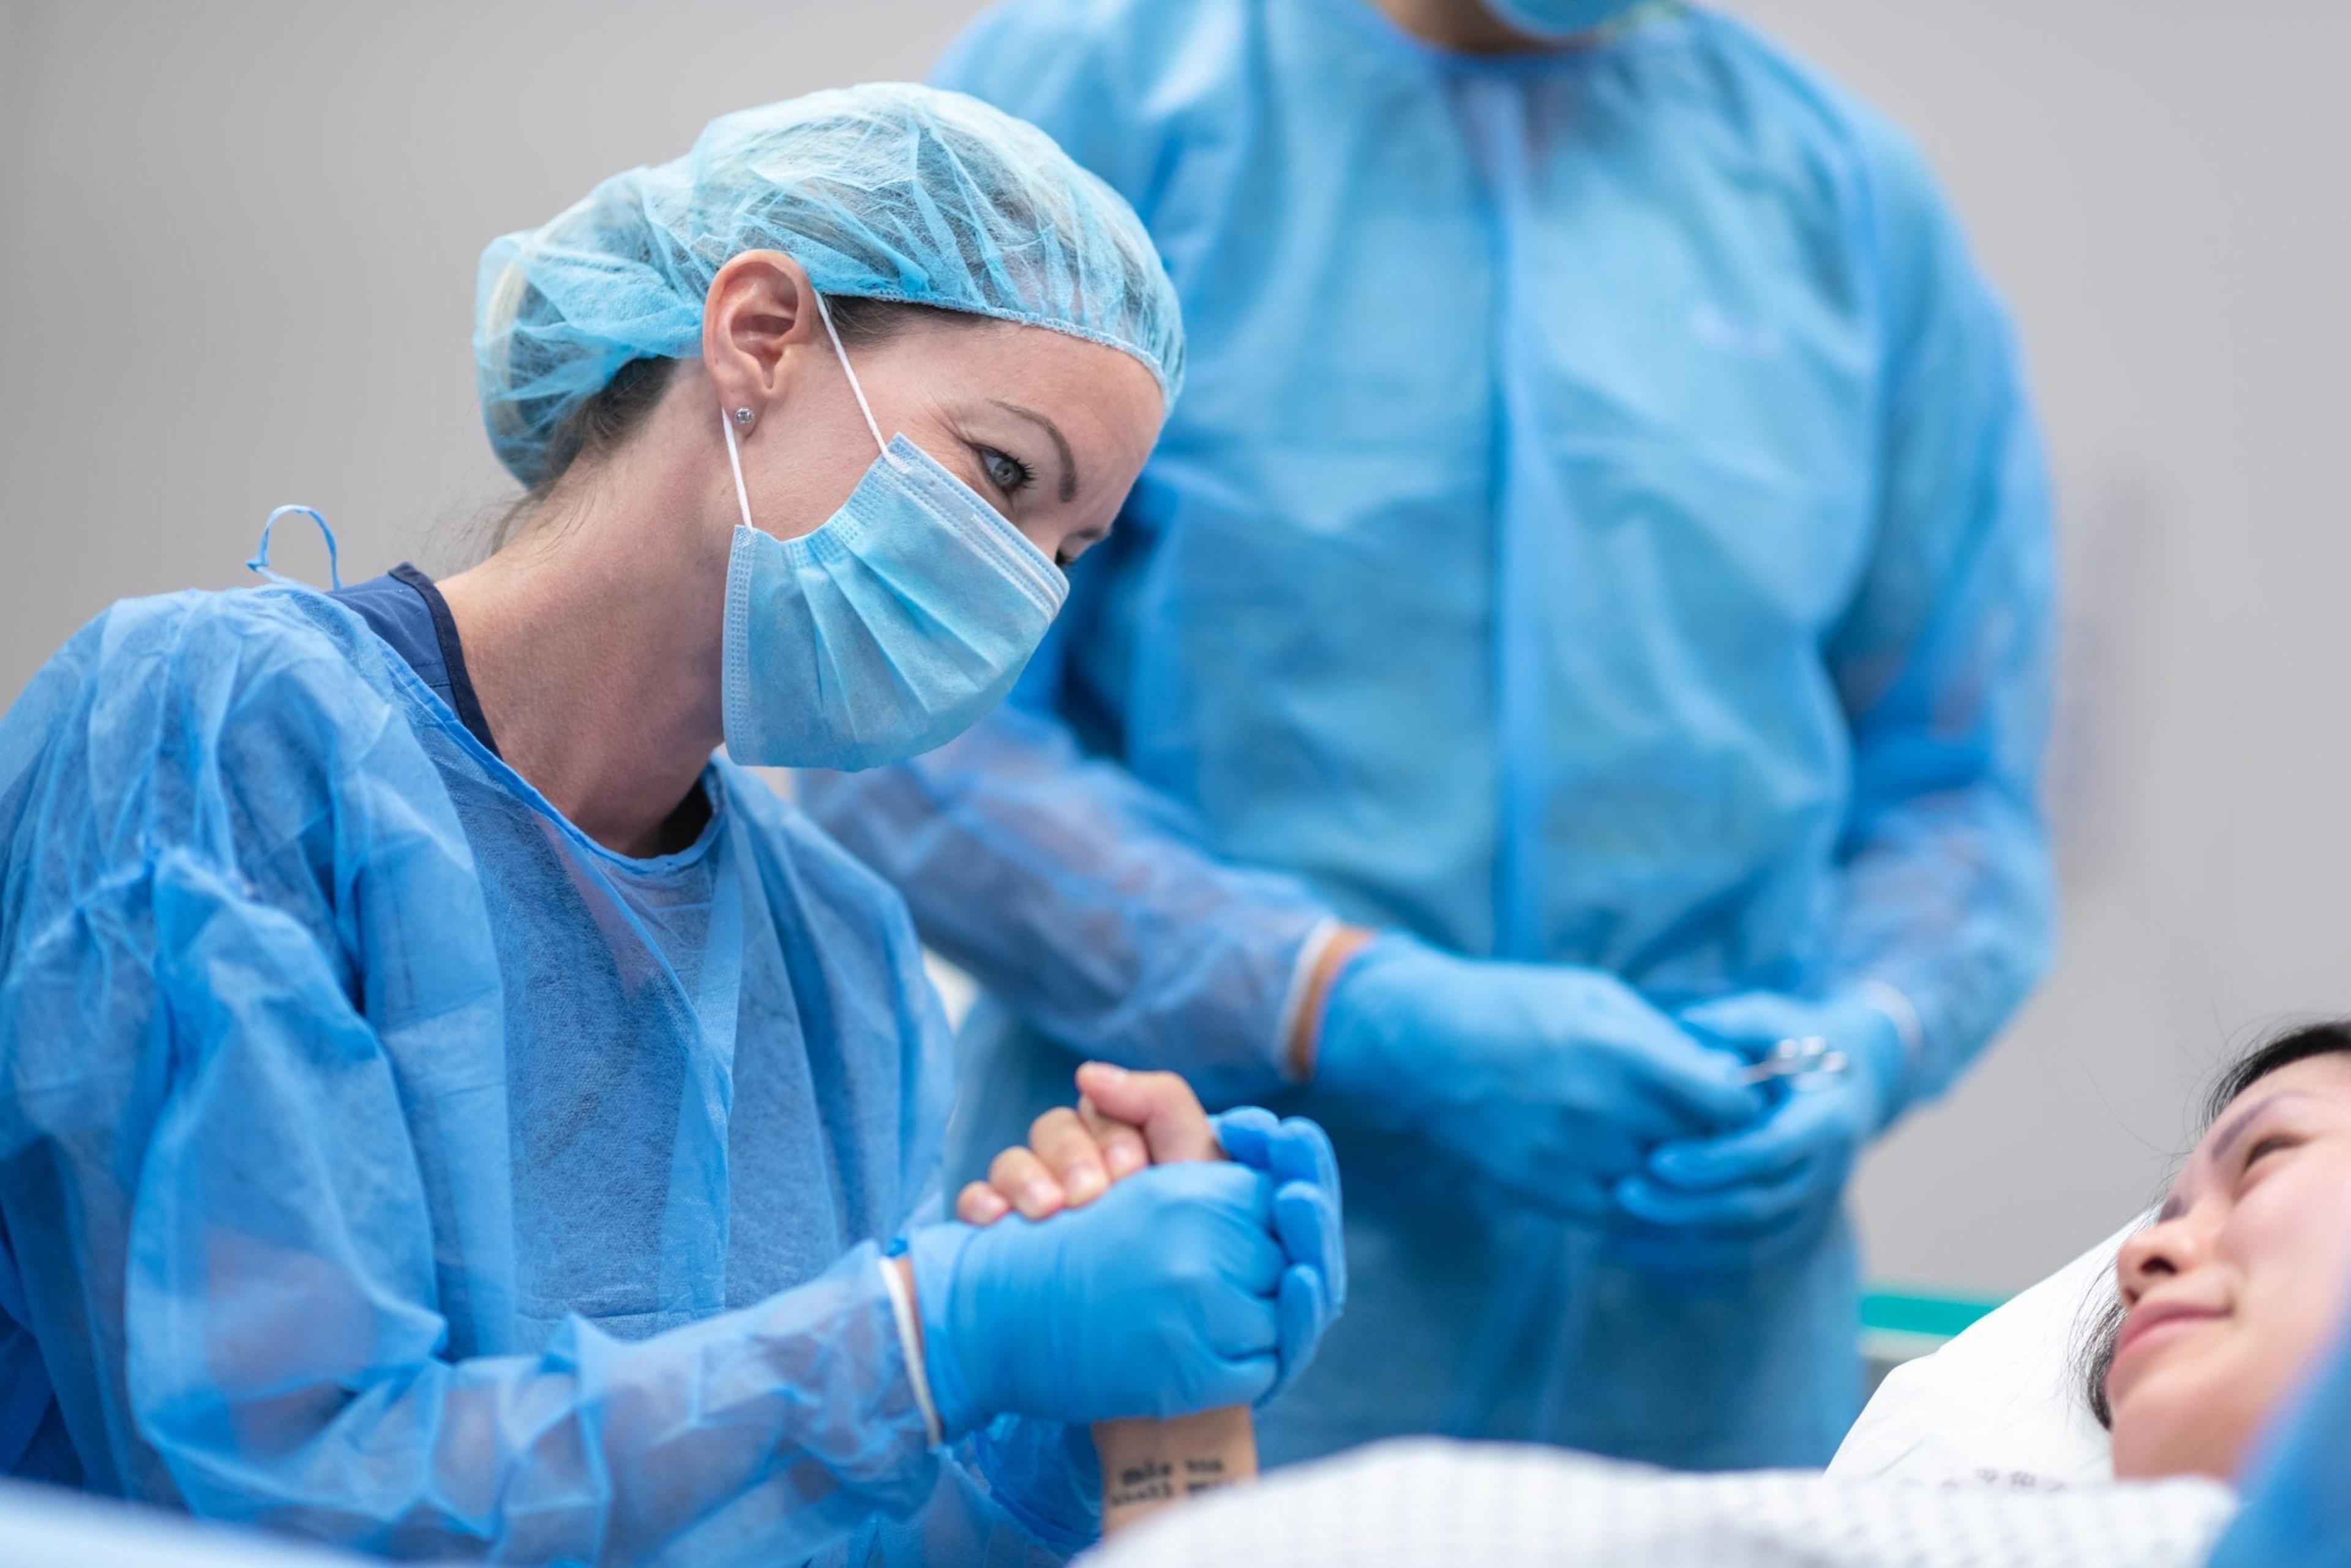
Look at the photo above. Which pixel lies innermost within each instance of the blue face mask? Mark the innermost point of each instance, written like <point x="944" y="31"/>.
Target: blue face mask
<point x="888" y="631"/>
<point x="1555" y="20"/>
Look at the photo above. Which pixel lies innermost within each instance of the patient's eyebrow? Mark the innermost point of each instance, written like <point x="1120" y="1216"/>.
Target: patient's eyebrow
<point x="2226" y="1138"/>
<point x="2228" y="1134"/>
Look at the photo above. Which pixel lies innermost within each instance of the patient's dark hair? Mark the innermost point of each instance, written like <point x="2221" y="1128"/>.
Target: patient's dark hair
<point x="2103" y="1314"/>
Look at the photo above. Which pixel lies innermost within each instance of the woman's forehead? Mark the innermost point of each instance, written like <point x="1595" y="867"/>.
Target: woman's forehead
<point x="2315" y="1084"/>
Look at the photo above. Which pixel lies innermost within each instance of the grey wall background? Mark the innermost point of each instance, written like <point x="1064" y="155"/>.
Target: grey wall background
<point x="236" y="253"/>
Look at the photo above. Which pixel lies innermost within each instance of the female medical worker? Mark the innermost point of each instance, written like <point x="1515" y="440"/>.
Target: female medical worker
<point x="448" y="1111"/>
<point x="1603" y="552"/>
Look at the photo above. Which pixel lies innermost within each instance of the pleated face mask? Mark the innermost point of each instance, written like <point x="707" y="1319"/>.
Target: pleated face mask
<point x="888" y="630"/>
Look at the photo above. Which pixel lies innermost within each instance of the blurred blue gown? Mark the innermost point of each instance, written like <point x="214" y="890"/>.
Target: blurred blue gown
<point x="1603" y="524"/>
<point x="2297" y="1506"/>
<point x="380" y="1159"/>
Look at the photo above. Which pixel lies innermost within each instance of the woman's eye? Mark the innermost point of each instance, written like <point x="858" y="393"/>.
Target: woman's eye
<point x="1005" y="472"/>
<point x="2276" y="1142"/>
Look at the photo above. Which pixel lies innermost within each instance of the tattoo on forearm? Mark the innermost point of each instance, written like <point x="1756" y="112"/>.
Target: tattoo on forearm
<point x="1156" y="1480"/>
<point x="1148" y="1464"/>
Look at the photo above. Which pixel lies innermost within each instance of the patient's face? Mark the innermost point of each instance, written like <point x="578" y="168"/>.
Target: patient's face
<point x="2235" y="1291"/>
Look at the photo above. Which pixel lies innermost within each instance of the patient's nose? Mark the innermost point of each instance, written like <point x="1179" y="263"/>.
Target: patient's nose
<point x="2165" y="1250"/>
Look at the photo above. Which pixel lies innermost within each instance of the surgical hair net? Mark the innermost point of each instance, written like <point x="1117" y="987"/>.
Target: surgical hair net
<point x="888" y="190"/>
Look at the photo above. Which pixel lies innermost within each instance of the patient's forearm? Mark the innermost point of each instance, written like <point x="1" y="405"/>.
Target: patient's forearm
<point x="1146" y="1465"/>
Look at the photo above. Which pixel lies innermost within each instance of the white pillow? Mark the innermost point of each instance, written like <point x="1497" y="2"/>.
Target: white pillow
<point x="2001" y="1402"/>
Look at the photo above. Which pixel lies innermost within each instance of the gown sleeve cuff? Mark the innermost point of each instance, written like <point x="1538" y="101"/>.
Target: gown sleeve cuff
<point x="1301" y="994"/>
<point x="910" y="1343"/>
<point x="1902" y="1014"/>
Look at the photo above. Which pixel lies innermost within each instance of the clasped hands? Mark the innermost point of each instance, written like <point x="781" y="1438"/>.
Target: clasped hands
<point x="1139" y="1259"/>
<point x="1571" y="1093"/>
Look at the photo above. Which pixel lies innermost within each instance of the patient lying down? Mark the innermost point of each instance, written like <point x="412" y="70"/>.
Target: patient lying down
<point x="2223" y="1307"/>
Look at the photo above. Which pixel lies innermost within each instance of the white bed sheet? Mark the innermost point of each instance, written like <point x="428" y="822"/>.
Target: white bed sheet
<point x="2001" y="1402"/>
<point x="1427" y="1503"/>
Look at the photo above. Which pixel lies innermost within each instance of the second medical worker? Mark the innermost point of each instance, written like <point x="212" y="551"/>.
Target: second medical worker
<point x="1586" y="622"/>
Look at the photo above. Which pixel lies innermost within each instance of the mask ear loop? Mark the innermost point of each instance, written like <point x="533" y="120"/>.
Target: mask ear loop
<point x="726" y="427"/>
<point x="842" y="355"/>
<point x="735" y="456"/>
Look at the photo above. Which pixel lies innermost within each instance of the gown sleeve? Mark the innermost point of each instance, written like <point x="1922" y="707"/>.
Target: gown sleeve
<point x="1943" y="662"/>
<point x="211" y="1188"/>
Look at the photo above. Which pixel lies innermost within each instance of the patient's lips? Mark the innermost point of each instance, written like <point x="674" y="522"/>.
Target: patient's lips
<point x="2155" y="1322"/>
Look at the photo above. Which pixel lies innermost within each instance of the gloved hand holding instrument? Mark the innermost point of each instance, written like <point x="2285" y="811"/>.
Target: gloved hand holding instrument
<point x="1839" y="1068"/>
<point x="1550" y="1081"/>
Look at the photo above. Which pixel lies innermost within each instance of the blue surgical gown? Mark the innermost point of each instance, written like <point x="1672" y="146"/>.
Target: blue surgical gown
<point x="2297" y="1506"/>
<point x="1603" y="524"/>
<point x="382" y="1160"/>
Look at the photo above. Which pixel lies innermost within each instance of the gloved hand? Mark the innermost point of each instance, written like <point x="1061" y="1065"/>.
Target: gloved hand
<point x="1165" y="1296"/>
<point x="1125" y="1119"/>
<point x="1761" y="1191"/>
<point x="1552" y="1080"/>
<point x="1297" y="1154"/>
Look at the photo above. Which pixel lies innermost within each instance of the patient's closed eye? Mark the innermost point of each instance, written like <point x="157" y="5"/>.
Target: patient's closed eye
<point x="2275" y="1142"/>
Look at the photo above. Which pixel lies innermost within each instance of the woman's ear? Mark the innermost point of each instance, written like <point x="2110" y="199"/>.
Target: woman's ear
<point x="758" y="320"/>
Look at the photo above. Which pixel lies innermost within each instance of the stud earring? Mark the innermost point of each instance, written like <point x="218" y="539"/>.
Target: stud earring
<point x="743" y="418"/>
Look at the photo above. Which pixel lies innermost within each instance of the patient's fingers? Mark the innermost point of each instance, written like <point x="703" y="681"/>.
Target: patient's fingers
<point x="1124" y="1120"/>
<point x="980" y="1204"/>
<point x="1067" y="1147"/>
<point x="1020" y="1176"/>
<point x="1122" y="1150"/>
<point x="1174" y="1127"/>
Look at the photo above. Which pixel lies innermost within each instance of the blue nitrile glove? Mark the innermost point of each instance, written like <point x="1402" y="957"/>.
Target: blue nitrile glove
<point x="1160" y="1298"/>
<point x="1297" y="1154"/>
<point x="1758" y="1192"/>
<point x="1553" y="1080"/>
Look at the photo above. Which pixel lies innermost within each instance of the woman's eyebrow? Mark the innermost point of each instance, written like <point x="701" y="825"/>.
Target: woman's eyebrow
<point x="1069" y="486"/>
<point x="2237" y="1124"/>
<point x="2225" y="1137"/>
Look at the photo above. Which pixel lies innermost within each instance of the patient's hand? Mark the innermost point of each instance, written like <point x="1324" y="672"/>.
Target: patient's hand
<point x="1124" y="1120"/>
